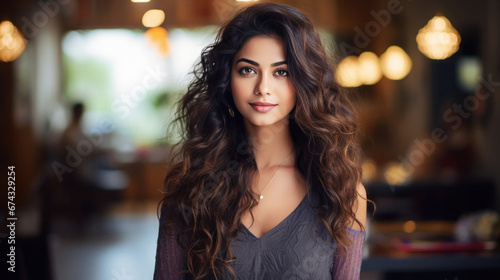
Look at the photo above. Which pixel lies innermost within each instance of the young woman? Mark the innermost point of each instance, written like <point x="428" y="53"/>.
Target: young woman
<point x="268" y="185"/>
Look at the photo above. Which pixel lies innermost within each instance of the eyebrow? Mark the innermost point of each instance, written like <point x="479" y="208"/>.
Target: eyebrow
<point x="257" y="64"/>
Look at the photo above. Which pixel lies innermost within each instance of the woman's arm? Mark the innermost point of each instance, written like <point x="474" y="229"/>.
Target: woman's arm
<point x="170" y="257"/>
<point x="349" y="266"/>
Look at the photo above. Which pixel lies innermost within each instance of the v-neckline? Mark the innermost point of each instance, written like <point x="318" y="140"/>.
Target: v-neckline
<point x="280" y="223"/>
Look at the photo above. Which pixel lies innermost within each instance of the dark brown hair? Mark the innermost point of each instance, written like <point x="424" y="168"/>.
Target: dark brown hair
<point x="208" y="188"/>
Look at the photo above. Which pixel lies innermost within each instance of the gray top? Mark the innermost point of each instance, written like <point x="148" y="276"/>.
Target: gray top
<point x="299" y="247"/>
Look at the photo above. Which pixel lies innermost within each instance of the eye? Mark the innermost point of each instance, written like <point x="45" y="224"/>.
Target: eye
<point x="281" y="72"/>
<point x="246" y="71"/>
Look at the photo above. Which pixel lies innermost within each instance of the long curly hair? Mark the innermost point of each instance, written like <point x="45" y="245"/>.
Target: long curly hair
<point x="207" y="183"/>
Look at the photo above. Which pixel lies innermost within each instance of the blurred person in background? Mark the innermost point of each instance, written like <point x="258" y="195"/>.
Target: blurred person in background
<point x="89" y="176"/>
<point x="73" y="132"/>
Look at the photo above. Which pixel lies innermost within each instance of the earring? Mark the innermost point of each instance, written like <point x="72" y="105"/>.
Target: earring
<point x="231" y="112"/>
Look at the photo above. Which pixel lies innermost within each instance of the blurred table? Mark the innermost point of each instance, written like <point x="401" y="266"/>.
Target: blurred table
<point x="393" y="255"/>
<point x="433" y="262"/>
<point x="427" y="212"/>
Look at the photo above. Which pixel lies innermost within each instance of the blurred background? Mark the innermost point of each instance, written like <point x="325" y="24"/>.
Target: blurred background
<point x="87" y="89"/>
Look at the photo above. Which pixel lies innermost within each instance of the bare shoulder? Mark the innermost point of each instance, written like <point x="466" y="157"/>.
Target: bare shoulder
<point x="360" y="207"/>
<point x="361" y="191"/>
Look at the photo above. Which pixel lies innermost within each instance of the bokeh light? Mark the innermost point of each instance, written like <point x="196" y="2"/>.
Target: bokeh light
<point x="438" y="39"/>
<point x="395" y="63"/>
<point x="347" y="73"/>
<point x="158" y="38"/>
<point x="369" y="170"/>
<point x="369" y="68"/>
<point x="153" y="18"/>
<point x="396" y="174"/>
<point x="12" y="42"/>
<point x="409" y="226"/>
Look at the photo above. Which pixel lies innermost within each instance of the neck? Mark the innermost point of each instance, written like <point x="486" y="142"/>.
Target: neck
<point x="271" y="144"/>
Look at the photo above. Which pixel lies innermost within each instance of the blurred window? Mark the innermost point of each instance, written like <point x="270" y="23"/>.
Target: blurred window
<point x="123" y="77"/>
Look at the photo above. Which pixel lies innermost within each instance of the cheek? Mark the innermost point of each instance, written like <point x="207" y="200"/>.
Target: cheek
<point x="291" y="93"/>
<point x="238" y="88"/>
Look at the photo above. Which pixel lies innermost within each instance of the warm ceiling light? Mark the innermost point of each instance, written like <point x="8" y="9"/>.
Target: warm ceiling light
<point x="153" y="18"/>
<point x="438" y="39"/>
<point x="369" y="68"/>
<point x="355" y="71"/>
<point x="158" y="38"/>
<point x="247" y="0"/>
<point x="12" y="42"/>
<point x="140" y="1"/>
<point x="395" y="63"/>
<point x="347" y="72"/>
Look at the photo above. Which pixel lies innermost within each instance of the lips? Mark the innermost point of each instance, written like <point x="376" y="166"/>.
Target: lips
<point x="262" y="107"/>
<point x="262" y="104"/>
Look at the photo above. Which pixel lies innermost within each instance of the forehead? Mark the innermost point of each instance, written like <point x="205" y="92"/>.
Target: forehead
<point x="262" y="49"/>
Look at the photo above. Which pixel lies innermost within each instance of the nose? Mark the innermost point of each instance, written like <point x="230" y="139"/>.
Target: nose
<point x="263" y="85"/>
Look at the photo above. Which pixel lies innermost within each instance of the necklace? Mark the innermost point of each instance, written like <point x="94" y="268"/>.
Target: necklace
<point x="260" y="194"/>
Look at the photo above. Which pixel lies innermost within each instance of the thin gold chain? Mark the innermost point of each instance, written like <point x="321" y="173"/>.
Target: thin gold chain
<point x="260" y="193"/>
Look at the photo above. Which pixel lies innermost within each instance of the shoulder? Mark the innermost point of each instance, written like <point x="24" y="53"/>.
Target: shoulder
<point x="359" y="208"/>
<point x="171" y="213"/>
<point x="361" y="191"/>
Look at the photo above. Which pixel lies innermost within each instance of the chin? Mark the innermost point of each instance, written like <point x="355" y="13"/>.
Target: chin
<point x="257" y="121"/>
<point x="262" y="122"/>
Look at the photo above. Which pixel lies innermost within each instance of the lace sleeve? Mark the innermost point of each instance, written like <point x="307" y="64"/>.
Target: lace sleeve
<point x="349" y="266"/>
<point x="170" y="256"/>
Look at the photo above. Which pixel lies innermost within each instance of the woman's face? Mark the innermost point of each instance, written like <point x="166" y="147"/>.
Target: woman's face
<point x="260" y="74"/>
